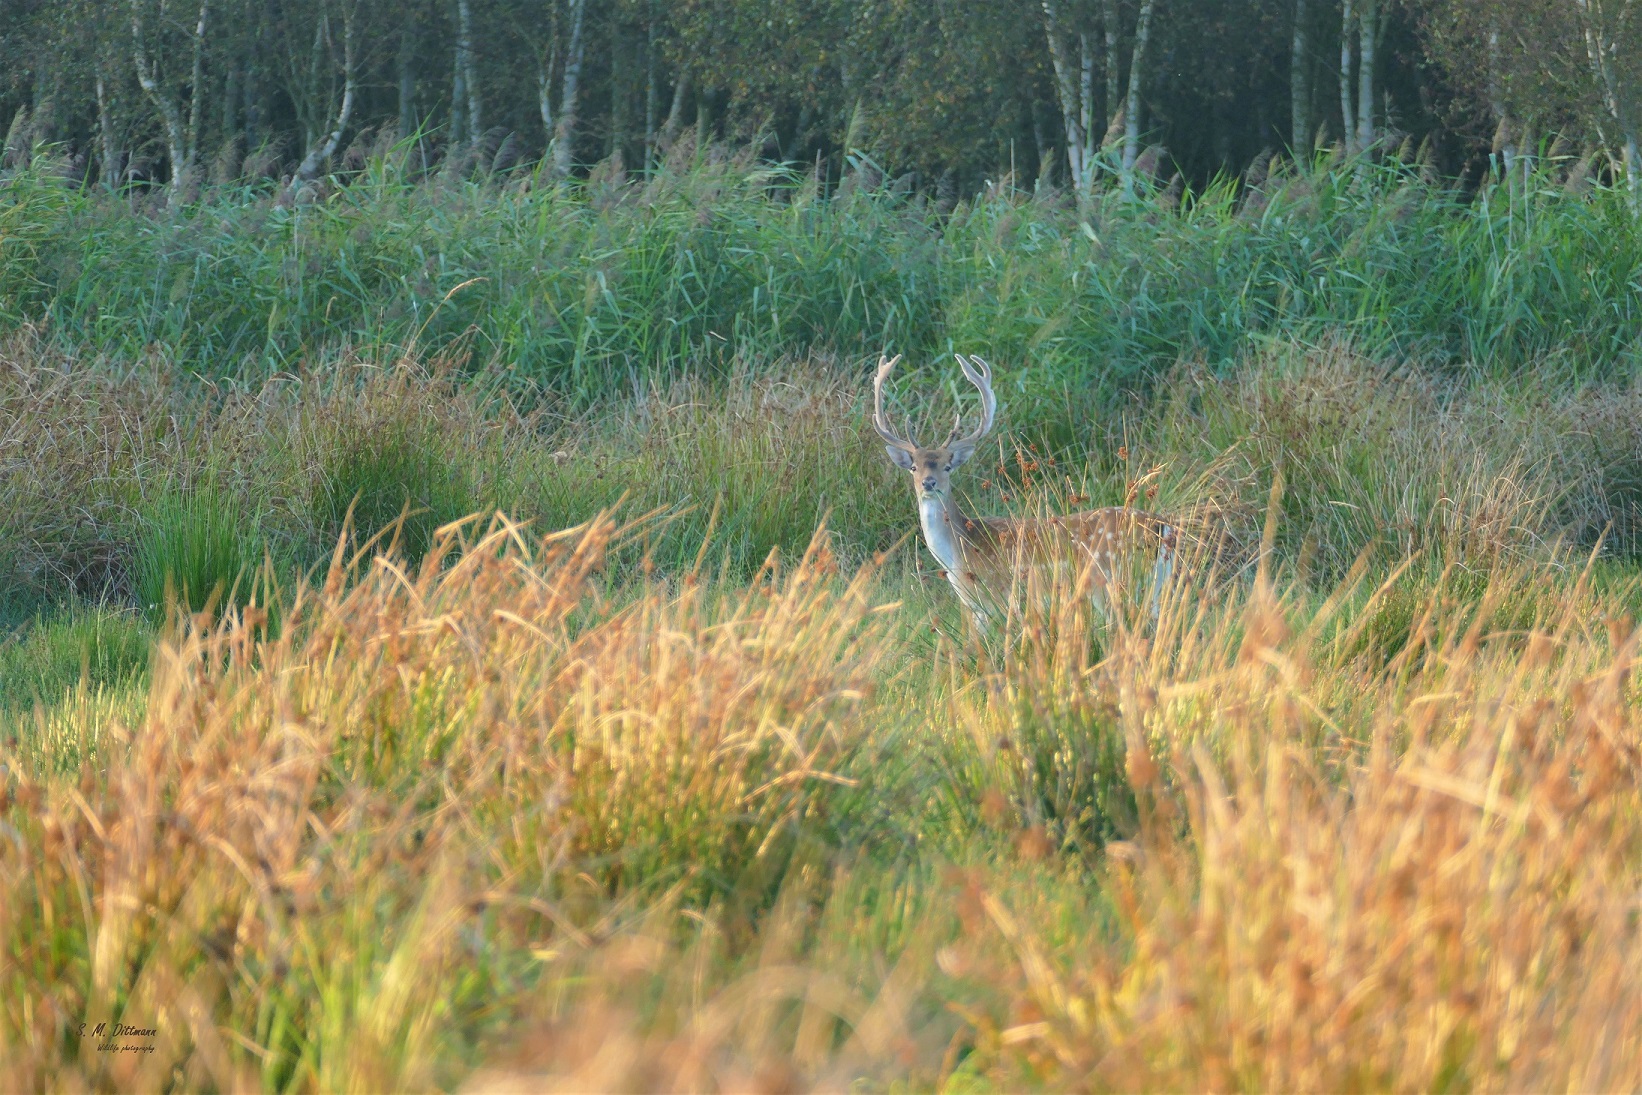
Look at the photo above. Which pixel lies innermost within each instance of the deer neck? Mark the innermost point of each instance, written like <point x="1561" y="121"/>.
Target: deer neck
<point x="944" y="524"/>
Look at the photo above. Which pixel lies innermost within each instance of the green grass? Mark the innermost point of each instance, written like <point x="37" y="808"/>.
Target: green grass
<point x="194" y="548"/>
<point x="713" y="801"/>
<point x="582" y="293"/>
<point x="391" y="476"/>
<point x="50" y="657"/>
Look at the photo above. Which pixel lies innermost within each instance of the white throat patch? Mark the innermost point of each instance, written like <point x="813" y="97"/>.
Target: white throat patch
<point x="939" y="535"/>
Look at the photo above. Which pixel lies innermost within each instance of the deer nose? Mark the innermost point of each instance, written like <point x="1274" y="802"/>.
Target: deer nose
<point x="929" y="482"/>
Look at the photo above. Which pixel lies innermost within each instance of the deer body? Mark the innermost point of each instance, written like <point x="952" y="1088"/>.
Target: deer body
<point x="982" y="555"/>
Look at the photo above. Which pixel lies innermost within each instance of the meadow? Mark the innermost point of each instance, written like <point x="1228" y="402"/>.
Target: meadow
<point x="465" y="633"/>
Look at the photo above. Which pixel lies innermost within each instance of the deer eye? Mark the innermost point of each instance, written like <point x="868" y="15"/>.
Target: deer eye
<point x="948" y="466"/>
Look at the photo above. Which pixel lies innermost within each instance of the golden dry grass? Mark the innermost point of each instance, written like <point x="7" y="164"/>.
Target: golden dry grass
<point x="490" y="815"/>
<point x="581" y="811"/>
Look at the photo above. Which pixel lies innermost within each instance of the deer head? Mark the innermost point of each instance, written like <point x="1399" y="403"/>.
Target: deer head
<point x="932" y="468"/>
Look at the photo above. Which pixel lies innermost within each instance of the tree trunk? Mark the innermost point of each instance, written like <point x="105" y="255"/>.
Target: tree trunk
<point x="407" y="79"/>
<point x="1347" y="115"/>
<point x="1131" y="108"/>
<point x="170" y="113"/>
<point x="324" y="149"/>
<point x="1633" y="164"/>
<point x="1114" y="75"/>
<point x="458" y="96"/>
<point x="196" y="84"/>
<point x="470" y="75"/>
<point x="253" y="89"/>
<point x="1600" y="49"/>
<point x="618" y="92"/>
<point x="544" y="97"/>
<point x="230" y="106"/>
<point x="1299" y="86"/>
<point x="652" y="91"/>
<point x="1046" y="165"/>
<point x="674" y="124"/>
<point x="564" y="136"/>
<point x="1086" y="117"/>
<point x="110" y="168"/>
<point x="1368" y="22"/>
<point x="1067" y="82"/>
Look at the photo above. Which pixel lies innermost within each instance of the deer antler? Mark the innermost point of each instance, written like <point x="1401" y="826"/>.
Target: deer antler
<point x="879" y="421"/>
<point x="980" y="375"/>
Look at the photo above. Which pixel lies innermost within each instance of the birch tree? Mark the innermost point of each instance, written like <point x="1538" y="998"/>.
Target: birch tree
<point x="564" y="128"/>
<point x="1074" y="83"/>
<point x="1569" y="67"/>
<point x="405" y="64"/>
<point x="323" y="146"/>
<point x="1299" y="82"/>
<point x="1131" y="108"/>
<point x="467" y="75"/>
<point x="1348" y="23"/>
<point x="1368" y="31"/>
<point x="179" y="111"/>
<point x="108" y="170"/>
<point x="1612" y="40"/>
<point x="1073" y="63"/>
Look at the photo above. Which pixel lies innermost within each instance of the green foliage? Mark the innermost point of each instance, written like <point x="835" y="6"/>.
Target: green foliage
<point x="194" y="547"/>
<point x="1064" y="766"/>
<point x="373" y="479"/>
<point x="52" y="655"/>
<point x="760" y="463"/>
<point x="581" y="294"/>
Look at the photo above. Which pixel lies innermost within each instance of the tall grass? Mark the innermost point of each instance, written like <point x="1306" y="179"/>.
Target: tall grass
<point x="488" y="815"/>
<point x="650" y="783"/>
<point x="340" y="815"/>
<point x="583" y="289"/>
<point x="76" y="648"/>
<point x="113" y="484"/>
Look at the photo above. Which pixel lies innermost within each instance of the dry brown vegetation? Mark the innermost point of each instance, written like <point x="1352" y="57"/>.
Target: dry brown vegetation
<point x="613" y="807"/>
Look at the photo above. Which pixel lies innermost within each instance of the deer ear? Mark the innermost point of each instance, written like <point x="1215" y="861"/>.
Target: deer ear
<point x="899" y="457"/>
<point x="961" y="454"/>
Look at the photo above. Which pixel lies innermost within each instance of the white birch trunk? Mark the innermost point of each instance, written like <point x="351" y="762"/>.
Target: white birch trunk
<point x="565" y="133"/>
<point x="324" y="149"/>
<point x="1601" y="48"/>
<point x="1633" y="164"/>
<point x="1131" y="109"/>
<point x="197" y="84"/>
<point x="544" y="97"/>
<point x="1086" y="90"/>
<point x="170" y="113"/>
<point x="105" y="133"/>
<point x="1299" y="86"/>
<point x="652" y="91"/>
<point x="1368" y="24"/>
<point x="1110" y="27"/>
<point x="1066" y="87"/>
<point x="1347" y="114"/>
<point x="458" y="97"/>
<point x="618" y="93"/>
<point x="674" y="124"/>
<point x="470" y="75"/>
<point x="1496" y="103"/>
<point x="407" y="80"/>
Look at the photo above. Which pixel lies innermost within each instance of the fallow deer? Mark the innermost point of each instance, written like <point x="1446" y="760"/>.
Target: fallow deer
<point x="980" y="555"/>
